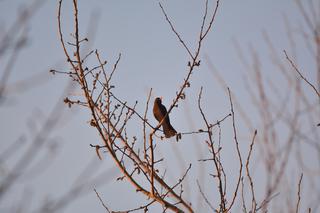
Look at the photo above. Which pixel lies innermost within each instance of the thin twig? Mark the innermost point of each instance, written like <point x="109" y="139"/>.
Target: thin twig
<point x="152" y="164"/>
<point x="179" y="181"/>
<point x="253" y="202"/>
<point x="299" y="192"/>
<point x="238" y="151"/>
<point x="212" y="19"/>
<point x="174" y="30"/>
<point x="304" y="78"/>
<point x="266" y="201"/>
<point x="244" y="207"/>
<point x="144" y="126"/>
<point x="204" y="197"/>
<point x="101" y="201"/>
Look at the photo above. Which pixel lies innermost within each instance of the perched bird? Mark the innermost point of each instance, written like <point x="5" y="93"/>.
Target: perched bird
<point x="159" y="111"/>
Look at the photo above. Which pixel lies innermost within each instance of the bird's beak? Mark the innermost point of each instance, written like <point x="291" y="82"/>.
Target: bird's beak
<point x="161" y="98"/>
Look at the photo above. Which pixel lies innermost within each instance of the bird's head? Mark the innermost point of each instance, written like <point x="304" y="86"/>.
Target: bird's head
<point x="158" y="100"/>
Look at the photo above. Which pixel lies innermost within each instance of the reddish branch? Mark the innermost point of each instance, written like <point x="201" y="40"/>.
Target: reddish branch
<point x="253" y="202"/>
<point x="238" y="151"/>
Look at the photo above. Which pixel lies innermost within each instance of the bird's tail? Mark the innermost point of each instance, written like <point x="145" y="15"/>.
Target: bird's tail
<point x="168" y="130"/>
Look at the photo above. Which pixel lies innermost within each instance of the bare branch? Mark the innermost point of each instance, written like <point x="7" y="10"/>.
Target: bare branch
<point x="175" y="32"/>
<point x="238" y="151"/>
<point x="299" y="191"/>
<point x="101" y="201"/>
<point x="304" y="78"/>
<point x="204" y="197"/>
<point x="253" y="203"/>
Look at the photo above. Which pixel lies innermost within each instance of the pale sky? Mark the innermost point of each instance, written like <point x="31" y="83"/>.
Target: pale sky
<point x="152" y="57"/>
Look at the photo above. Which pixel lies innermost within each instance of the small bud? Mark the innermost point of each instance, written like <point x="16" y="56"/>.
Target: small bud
<point x="93" y="123"/>
<point x="178" y="137"/>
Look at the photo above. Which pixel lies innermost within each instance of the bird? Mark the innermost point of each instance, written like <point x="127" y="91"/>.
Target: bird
<point x="159" y="111"/>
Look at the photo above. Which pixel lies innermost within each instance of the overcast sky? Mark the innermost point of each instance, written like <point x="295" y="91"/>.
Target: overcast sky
<point x="152" y="57"/>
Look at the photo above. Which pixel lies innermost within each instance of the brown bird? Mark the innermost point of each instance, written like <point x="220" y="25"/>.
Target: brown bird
<point x="159" y="111"/>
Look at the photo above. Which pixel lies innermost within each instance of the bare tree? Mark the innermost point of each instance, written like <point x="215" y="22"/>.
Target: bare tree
<point x="286" y="125"/>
